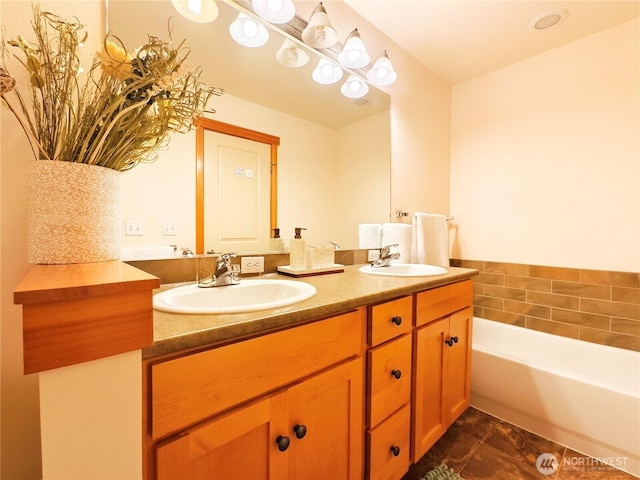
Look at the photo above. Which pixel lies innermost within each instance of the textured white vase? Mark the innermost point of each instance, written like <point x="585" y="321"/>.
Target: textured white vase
<point x="74" y="213"/>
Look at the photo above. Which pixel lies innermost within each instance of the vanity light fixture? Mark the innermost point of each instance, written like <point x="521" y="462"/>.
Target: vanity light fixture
<point x="248" y="31"/>
<point x="201" y="11"/>
<point x="382" y="72"/>
<point x="274" y="11"/>
<point x="354" y="87"/>
<point x="327" y="72"/>
<point x="319" y="33"/>
<point x="292" y="55"/>
<point x="354" y="54"/>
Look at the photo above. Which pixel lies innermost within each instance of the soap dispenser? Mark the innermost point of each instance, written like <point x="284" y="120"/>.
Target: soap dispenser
<point x="275" y="243"/>
<point x="298" y="251"/>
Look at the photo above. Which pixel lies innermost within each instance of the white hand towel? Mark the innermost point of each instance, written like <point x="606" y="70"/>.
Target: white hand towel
<point x="430" y="239"/>
<point x="399" y="233"/>
<point x="370" y="235"/>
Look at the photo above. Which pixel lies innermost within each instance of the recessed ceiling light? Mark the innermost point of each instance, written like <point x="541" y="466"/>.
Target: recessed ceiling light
<point x="549" y="19"/>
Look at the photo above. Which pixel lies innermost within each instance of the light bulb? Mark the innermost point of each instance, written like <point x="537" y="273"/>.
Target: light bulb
<point x="319" y="33"/>
<point x="248" y="31"/>
<point x="354" y="54"/>
<point x="382" y="72"/>
<point x="354" y="87"/>
<point x="292" y="55"/>
<point x="201" y="11"/>
<point x="274" y="11"/>
<point x="327" y="72"/>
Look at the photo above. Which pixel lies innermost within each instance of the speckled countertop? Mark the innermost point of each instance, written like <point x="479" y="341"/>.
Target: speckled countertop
<point x="336" y="293"/>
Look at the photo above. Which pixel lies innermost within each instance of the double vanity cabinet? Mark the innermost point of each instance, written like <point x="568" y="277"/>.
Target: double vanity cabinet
<point x="357" y="382"/>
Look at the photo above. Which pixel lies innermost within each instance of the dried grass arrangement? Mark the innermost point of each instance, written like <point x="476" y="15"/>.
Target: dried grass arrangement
<point x="124" y="111"/>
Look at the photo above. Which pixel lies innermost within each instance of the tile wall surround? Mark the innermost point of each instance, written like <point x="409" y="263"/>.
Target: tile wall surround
<point x="592" y="305"/>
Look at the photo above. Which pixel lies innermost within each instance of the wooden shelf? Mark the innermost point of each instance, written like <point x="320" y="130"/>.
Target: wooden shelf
<point x="81" y="312"/>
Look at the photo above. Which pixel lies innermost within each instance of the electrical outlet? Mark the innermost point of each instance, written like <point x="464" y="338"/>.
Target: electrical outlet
<point x="373" y="255"/>
<point x="169" y="228"/>
<point x="252" y="265"/>
<point x="134" y="227"/>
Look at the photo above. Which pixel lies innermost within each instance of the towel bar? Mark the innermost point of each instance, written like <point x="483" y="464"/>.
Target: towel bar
<point x="400" y="213"/>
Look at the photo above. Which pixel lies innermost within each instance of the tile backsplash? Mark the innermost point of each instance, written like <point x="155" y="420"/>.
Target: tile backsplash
<point x="592" y="305"/>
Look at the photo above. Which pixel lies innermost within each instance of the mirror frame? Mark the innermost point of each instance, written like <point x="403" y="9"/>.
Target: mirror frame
<point x="206" y="124"/>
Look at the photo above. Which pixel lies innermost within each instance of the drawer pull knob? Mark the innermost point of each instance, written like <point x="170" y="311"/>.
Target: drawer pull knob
<point x="397" y="319"/>
<point x="396" y="374"/>
<point x="300" y="431"/>
<point x="451" y="341"/>
<point x="283" y="442"/>
<point x="395" y="450"/>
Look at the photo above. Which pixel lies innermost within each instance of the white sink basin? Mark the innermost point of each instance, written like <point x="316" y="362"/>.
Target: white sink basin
<point x="405" y="270"/>
<point x="247" y="296"/>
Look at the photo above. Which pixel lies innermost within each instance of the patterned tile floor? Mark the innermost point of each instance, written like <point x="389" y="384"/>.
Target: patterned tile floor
<point x="479" y="446"/>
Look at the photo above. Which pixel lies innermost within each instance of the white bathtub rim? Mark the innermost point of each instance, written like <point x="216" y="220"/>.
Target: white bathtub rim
<point x="629" y="385"/>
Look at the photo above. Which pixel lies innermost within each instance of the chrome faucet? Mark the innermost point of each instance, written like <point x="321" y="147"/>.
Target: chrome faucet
<point x="384" y="260"/>
<point x="225" y="273"/>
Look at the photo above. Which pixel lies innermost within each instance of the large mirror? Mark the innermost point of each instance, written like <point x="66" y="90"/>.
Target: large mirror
<point x="334" y="155"/>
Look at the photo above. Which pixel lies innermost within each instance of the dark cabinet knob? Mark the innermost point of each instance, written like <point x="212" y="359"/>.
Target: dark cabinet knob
<point x="451" y="341"/>
<point x="396" y="319"/>
<point x="395" y="450"/>
<point x="282" y="442"/>
<point x="396" y="374"/>
<point x="300" y="431"/>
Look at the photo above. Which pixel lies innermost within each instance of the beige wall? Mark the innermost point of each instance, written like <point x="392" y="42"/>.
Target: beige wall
<point x="545" y="163"/>
<point x="20" y="429"/>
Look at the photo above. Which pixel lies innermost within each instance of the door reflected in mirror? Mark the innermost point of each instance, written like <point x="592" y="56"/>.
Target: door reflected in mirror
<point x="236" y="188"/>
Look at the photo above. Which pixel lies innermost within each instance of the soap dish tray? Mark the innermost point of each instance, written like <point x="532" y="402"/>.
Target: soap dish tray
<point x="307" y="272"/>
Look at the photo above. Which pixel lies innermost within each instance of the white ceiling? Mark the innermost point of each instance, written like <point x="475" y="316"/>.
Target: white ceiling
<point x="461" y="39"/>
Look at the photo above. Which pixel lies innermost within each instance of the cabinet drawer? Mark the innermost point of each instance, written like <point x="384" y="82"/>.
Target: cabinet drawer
<point x="191" y="388"/>
<point x="386" y="393"/>
<point x="390" y="319"/>
<point x="383" y="440"/>
<point x="442" y="301"/>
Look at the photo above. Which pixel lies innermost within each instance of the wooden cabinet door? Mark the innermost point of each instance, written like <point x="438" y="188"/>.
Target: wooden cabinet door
<point x="430" y="357"/>
<point x="458" y="384"/>
<point x="330" y="408"/>
<point x="236" y="445"/>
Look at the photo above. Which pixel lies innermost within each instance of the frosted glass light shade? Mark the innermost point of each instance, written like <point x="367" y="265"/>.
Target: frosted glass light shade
<point x="326" y="72"/>
<point x="248" y="31"/>
<point x="319" y="33"/>
<point x="382" y="72"/>
<point x="354" y="54"/>
<point x="292" y="55"/>
<point x="354" y="87"/>
<point x="201" y="11"/>
<point x="274" y="11"/>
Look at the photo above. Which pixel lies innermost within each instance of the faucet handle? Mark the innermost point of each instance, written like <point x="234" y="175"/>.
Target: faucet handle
<point x="387" y="248"/>
<point x="225" y="258"/>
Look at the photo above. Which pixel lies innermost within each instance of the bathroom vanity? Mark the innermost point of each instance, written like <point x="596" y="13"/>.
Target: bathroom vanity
<point x="356" y="382"/>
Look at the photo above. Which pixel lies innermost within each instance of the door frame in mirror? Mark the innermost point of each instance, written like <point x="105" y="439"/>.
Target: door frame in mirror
<point x="203" y="124"/>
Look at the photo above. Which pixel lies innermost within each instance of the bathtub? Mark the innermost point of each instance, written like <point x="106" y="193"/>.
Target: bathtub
<point x="582" y="395"/>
